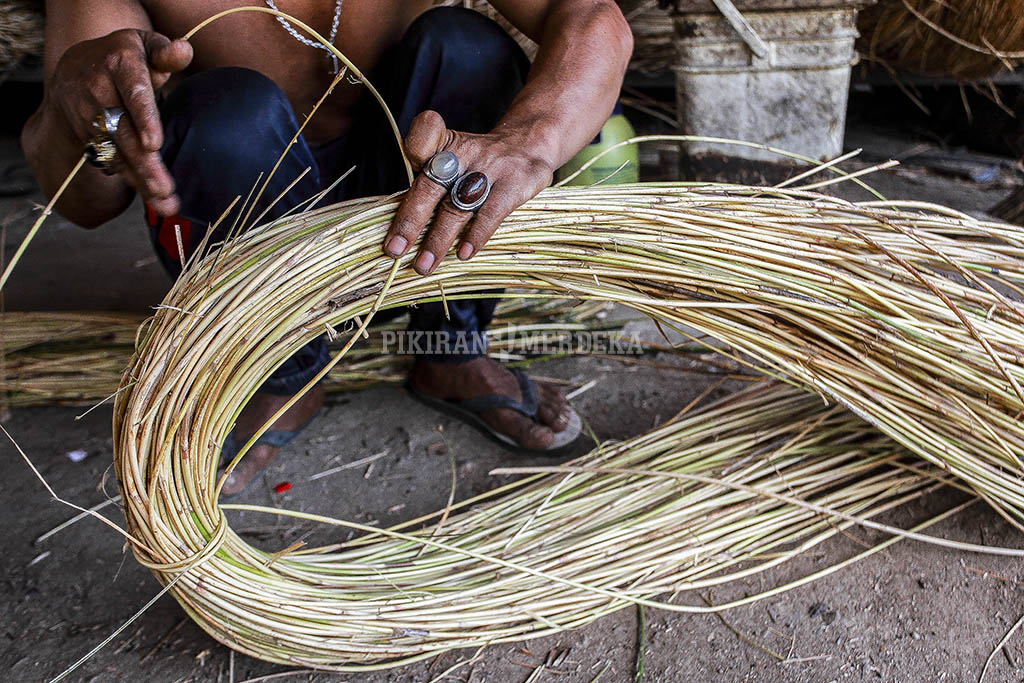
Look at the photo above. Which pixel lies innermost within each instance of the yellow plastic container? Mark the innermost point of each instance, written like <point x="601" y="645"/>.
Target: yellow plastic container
<point x="615" y="168"/>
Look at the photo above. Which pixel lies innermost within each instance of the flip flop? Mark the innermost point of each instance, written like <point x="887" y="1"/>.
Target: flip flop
<point x="279" y="438"/>
<point x="469" y="411"/>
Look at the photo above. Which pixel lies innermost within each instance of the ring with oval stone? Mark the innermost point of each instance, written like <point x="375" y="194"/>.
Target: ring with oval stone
<point x="443" y="169"/>
<point x="470" y="191"/>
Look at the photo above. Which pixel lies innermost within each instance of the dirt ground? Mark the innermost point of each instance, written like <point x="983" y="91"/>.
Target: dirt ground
<point x="913" y="612"/>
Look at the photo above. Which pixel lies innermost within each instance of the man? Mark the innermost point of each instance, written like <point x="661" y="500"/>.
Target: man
<point x="202" y="119"/>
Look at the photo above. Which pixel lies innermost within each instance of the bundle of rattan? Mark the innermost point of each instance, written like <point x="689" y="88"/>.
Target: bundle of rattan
<point x="76" y="358"/>
<point x="633" y="521"/>
<point x="910" y="318"/>
<point x="962" y="39"/>
<point x="61" y="358"/>
<point x="21" y="31"/>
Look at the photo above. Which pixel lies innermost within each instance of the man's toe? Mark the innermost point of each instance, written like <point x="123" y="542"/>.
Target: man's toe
<point x="535" y="437"/>
<point x="248" y="468"/>
<point x="523" y="430"/>
<point x="554" y="410"/>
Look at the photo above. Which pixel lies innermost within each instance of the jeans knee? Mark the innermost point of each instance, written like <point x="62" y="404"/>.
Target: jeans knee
<point x="473" y="48"/>
<point x="228" y="112"/>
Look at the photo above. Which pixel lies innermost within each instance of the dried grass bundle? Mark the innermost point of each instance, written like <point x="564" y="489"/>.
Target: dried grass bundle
<point x="77" y="358"/>
<point x="690" y="506"/>
<point x="21" y="31"/>
<point x="905" y="314"/>
<point x="908" y="315"/>
<point x="962" y="39"/>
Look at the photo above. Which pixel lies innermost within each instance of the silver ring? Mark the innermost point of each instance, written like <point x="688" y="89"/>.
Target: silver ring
<point x="107" y="120"/>
<point x="101" y="151"/>
<point x="443" y="169"/>
<point x="470" y="191"/>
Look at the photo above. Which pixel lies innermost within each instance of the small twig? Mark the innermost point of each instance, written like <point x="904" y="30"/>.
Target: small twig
<point x="814" y="658"/>
<point x="163" y="639"/>
<point x="77" y="518"/>
<point x="126" y="386"/>
<point x="280" y="674"/>
<point x="284" y="551"/>
<point x="700" y="397"/>
<point x="451" y="491"/>
<point x="54" y="495"/>
<point x="641" y="644"/>
<point x="444" y="301"/>
<point x="1000" y="646"/>
<point x="582" y="390"/>
<point x="348" y="466"/>
<point x="458" y="665"/>
<point x="990" y="575"/>
<point x="119" y="630"/>
<point x="742" y="636"/>
<point x="39" y="221"/>
<point x="536" y="673"/>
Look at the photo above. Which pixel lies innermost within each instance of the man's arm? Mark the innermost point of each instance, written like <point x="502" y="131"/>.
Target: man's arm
<point x="572" y="87"/>
<point x="102" y="54"/>
<point x="584" y="49"/>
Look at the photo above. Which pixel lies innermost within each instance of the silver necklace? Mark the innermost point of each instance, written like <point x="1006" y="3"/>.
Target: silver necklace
<point x="306" y="41"/>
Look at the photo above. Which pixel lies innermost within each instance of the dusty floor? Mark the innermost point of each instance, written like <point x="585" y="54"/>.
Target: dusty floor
<point x="911" y="613"/>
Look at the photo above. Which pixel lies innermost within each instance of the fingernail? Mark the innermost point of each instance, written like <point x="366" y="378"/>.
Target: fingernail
<point x="397" y="245"/>
<point x="424" y="261"/>
<point x="465" y="251"/>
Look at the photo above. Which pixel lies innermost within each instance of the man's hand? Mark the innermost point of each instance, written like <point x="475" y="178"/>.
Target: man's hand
<point x="122" y="69"/>
<point x="515" y="176"/>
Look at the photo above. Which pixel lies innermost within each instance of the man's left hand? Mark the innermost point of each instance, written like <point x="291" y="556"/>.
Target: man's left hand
<point x="516" y="176"/>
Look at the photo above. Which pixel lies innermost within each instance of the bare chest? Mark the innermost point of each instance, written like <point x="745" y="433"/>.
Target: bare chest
<point x="366" y="29"/>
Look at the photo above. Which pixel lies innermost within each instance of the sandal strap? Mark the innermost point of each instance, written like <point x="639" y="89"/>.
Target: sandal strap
<point x="527" y="406"/>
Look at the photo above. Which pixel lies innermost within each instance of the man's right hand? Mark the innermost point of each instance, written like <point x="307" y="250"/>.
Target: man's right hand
<point x="122" y="69"/>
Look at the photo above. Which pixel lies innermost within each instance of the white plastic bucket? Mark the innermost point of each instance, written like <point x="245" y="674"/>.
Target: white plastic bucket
<point x="794" y="97"/>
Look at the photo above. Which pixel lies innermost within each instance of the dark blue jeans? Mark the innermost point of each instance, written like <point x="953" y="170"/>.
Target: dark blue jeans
<point x="225" y="126"/>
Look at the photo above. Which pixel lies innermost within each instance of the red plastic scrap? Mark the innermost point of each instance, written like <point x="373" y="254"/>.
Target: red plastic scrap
<point x="282" y="487"/>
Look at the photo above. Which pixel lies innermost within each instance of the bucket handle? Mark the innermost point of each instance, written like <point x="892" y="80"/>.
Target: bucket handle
<point x="743" y="27"/>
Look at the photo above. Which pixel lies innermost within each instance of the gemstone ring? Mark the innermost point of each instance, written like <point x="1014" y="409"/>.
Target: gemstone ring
<point x="470" y="191"/>
<point x="443" y="169"/>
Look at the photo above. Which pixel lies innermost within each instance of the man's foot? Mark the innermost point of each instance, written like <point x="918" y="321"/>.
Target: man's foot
<point x="260" y="408"/>
<point x="486" y="377"/>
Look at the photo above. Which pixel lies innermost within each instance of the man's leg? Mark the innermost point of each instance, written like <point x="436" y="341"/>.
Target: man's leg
<point x="468" y="69"/>
<point x="223" y="129"/>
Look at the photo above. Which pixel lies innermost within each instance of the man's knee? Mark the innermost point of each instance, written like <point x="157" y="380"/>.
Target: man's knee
<point x="228" y="112"/>
<point x="468" y="43"/>
<point x="460" y="64"/>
